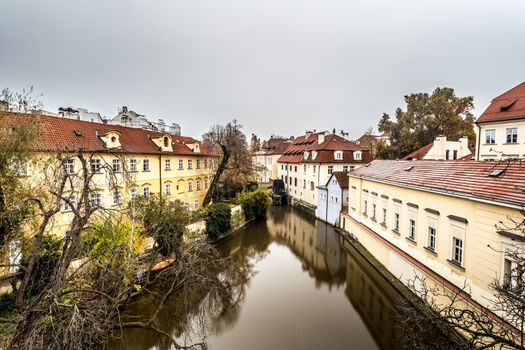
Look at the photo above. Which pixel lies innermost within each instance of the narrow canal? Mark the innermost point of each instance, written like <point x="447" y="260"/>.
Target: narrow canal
<point x="300" y="285"/>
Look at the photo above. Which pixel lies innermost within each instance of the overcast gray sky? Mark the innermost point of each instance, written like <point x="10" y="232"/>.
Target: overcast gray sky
<point x="278" y="66"/>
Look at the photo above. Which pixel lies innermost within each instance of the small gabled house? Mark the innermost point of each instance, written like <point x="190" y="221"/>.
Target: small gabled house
<point x="442" y="149"/>
<point x="331" y="198"/>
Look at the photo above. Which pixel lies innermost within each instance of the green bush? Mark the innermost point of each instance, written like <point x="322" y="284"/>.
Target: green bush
<point x="163" y="220"/>
<point x="254" y="204"/>
<point x="218" y="220"/>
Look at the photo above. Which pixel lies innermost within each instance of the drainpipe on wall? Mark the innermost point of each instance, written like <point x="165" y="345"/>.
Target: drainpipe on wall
<point x="478" y="143"/>
<point x="160" y="175"/>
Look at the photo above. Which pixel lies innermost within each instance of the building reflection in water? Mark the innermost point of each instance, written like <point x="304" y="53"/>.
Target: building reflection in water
<point x="325" y="256"/>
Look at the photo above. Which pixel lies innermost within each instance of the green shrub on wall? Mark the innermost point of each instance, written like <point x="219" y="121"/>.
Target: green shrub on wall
<point x="218" y="220"/>
<point x="254" y="204"/>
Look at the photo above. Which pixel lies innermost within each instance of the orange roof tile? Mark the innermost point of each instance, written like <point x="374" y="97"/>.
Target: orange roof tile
<point x="68" y="135"/>
<point x="508" y="106"/>
<point x="466" y="179"/>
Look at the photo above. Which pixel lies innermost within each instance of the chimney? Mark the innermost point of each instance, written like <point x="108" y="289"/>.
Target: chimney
<point x="124" y="109"/>
<point x="308" y="133"/>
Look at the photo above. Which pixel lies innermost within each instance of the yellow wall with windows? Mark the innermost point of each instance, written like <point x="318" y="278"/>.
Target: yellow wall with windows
<point x="482" y="260"/>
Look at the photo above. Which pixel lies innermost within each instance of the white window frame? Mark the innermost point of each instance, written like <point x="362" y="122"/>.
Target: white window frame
<point x="145" y="165"/>
<point x="457" y="231"/>
<point x="512" y="135"/>
<point x="69" y="166"/>
<point x="146" y="191"/>
<point x="133" y="164"/>
<point x="397" y="217"/>
<point x="95" y="199"/>
<point x="167" y="164"/>
<point x="116" y="165"/>
<point x="432" y="226"/>
<point x="358" y="155"/>
<point x="181" y="164"/>
<point x="190" y="186"/>
<point x="95" y="165"/>
<point x="330" y="169"/>
<point x="412" y="229"/>
<point x="490" y="136"/>
<point x="116" y="196"/>
<point x="167" y="188"/>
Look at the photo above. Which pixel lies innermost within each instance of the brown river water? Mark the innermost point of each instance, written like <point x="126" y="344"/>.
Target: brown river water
<point x="301" y="285"/>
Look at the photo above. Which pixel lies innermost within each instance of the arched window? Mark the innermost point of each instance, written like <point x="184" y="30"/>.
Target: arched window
<point x="166" y="141"/>
<point x="190" y="186"/>
<point x="198" y="184"/>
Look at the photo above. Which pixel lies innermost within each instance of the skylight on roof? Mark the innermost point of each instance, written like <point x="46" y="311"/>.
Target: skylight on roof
<point x="496" y="172"/>
<point x="77" y="133"/>
<point x="408" y="168"/>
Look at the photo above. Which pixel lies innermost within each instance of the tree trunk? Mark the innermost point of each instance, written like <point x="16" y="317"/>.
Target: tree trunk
<point x="215" y="181"/>
<point x="32" y="261"/>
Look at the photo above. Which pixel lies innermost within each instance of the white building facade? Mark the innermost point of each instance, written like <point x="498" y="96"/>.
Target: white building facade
<point x="332" y="198"/>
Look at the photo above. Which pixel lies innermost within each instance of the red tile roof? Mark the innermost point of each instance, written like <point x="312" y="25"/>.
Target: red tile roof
<point x="277" y="146"/>
<point x="508" y="106"/>
<point x="466" y="179"/>
<point x="419" y="153"/>
<point x="325" y="150"/>
<point x="342" y="178"/>
<point x="60" y="134"/>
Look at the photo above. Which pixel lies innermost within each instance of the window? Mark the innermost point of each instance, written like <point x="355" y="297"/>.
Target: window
<point x="512" y="135"/>
<point x="190" y="186"/>
<point x="166" y="141"/>
<point x="396" y="220"/>
<point x="181" y="164"/>
<point x="490" y="136"/>
<point x="70" y="203"/>
<point x="358" y="155"/>
<point x="116" y="166"/>
<point x="198" y="185"/>
<point x="447" y="154"/>
<point x="133" y="193"/>
<point x="132" y="165"/>
<point x="351" y="168"/>
<point x="145" y="165"/>
<point x="167" y="164"/>
<point x="116" y="197"/>
<point x="95" y="165"/>
<point x="145" y="191"/>
<point x="412" y="229"/>
<point x="455" y="154"/>
<point x="304" y="168"/>
<point x="384" y="216"/>
<point x="205" y="163"/>
<point x="513" y="274"/>
<point x="196" y="204"/>
<point x="457" y="250"/>
<point x="168" y="189"/>
<point x="330" y="169"/>
<point x="315" y="169"/>
<point x="312" y="185"/>
<point x="432" y="238"/>
<point x="374" y="206"/>
<point x="295" y="168"/>
<point x="295" y="182"/>
<point x="69" y="166"/>
<point x="365" y="211"/>
<point x="198" y="163"/>
<point x="345" y="168"/>
<point x="304" y="183"/>
<point x="190" y="164"/>
<point x="338" y="155"/>
<point x="205" y="183"/>
<point x="95" y="199"/>
<point x="458" y="247"/>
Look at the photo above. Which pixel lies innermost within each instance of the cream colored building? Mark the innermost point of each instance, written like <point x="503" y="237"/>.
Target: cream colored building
<point x="439" y="218"/>
<point x="310" y="161"/>
<point x="442" y="149"/>
<point x="265" y="160"/>
<point x="500" y="128"/>
<point x="140" y="162"/>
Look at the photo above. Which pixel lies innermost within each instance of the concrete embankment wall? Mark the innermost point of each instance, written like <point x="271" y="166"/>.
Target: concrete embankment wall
<point x="197" y="229"/>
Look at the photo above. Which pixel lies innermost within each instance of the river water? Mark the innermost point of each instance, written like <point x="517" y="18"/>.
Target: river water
<point x="301" y="286"/>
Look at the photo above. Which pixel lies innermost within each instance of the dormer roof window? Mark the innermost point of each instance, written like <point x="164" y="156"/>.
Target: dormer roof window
<point x="163" y="143"/>
<point x="358" y="155"/>
<point x="314" y="154"/>
<point x="111" y="139"/>
<point x="306" y="154"/>
<point x="338" y="155"/>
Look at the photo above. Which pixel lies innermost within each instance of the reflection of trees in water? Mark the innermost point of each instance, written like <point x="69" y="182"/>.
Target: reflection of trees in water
<point x="191" y="313"/>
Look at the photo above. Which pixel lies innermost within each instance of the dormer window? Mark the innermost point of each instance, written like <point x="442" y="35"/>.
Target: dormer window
<point x="358" y="155"/>
<point x="166" y="141"/>
<point x="306" y="154"/>
<point x="163" y="142"/>
<point x="338" y="155"/>
<point x="314" y="154"/>
<point x="111" y="139"/>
